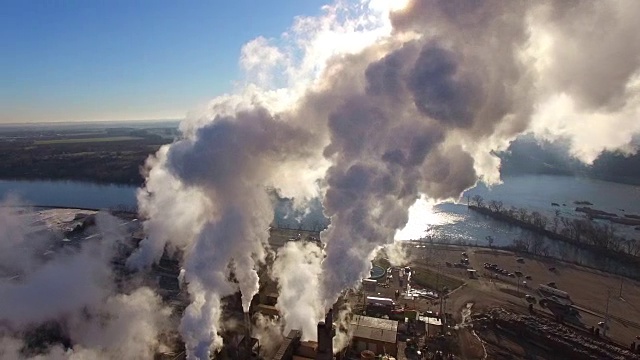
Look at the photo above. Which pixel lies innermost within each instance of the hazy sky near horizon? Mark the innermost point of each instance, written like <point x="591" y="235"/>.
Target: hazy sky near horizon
<point x="114" y="60"/>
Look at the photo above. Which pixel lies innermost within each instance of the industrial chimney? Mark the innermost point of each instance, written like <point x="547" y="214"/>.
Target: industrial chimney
<point x="247" y="325"/>
<point x="326" y="332"/>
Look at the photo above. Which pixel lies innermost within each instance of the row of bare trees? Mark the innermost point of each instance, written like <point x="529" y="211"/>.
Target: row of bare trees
<point x="580" y="230"/>
<point x="532" y="243"/>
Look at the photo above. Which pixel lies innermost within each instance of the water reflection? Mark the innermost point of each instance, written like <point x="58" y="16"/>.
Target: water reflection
<point x="454" y="223"/>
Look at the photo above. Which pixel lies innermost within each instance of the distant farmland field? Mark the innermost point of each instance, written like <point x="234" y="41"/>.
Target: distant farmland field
<point x="85" y="140"/>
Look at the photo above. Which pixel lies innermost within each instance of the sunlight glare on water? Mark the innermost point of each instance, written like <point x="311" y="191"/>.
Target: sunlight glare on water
<point x="422" y="215"/>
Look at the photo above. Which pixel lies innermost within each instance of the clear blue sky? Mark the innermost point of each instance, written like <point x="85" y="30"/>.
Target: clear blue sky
<point x="71" y="60"/>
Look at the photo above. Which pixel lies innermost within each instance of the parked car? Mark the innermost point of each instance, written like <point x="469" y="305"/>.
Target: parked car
<point x="520" y="260"/>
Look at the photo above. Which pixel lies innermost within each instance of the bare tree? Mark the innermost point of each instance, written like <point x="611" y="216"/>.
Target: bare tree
<point x="523" y="215"/>
<point x="556" y="221"/>
<point x="545" y="251"/>
<point x="537" y="244"/>
<point x="496" y="206"/>
<point x="490" y="240"/>
<point x="538" y="220"/>
<point x="633" y="247"/>
<point x="521" y="244"/>
<point x="479" y="200"/>
<point x="563" y="250"/>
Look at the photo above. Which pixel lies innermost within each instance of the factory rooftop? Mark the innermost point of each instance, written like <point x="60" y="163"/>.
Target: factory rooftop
<point x="383" y="330"/>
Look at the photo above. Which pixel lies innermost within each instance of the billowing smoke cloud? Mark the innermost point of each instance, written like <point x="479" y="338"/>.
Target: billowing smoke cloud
<point x="228" y="162"/>
<point x="376" y="112"/>
<point x="268" y="331"/>
<point x="297" y="271"/>
<point x="434" y="107"/>
<point x="587" y="74"/>
<point x="22" y="236"/>
<point x="344" y="331"/>
<point x="72" y="286"/>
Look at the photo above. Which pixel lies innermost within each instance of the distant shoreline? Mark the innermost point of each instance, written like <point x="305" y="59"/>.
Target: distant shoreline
<point x="48" y="207"/>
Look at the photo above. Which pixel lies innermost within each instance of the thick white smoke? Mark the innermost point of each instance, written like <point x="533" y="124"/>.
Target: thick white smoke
<point x="297" y="271"/>
<point x="73" y="287"/>
<point x="375" y="110"/>
<point x="268" y="331"/>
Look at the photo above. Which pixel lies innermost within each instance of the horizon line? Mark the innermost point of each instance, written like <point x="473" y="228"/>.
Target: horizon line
<point x="74" y="122"/>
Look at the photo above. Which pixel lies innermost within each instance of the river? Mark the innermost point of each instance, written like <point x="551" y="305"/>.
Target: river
<point x="535" y="193"/>
<point x="453" y="222"/>
<point x="70" y="194"/>
<point x="449" y="221"/>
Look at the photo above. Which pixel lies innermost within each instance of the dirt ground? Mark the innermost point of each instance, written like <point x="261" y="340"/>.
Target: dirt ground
<point x="589" y="289"/>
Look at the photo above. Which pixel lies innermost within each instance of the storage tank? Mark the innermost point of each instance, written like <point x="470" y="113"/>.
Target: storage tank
<point x="367" y="355"/>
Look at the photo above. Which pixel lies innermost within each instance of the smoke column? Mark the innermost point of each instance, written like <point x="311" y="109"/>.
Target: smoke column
<point x="297" y="271"/>
<point x="371" y="109"/>
<point x="74" y="288"/>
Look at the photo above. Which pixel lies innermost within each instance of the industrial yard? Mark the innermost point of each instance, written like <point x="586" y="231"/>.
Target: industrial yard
<point x="489" y="289"/>
<point x="459" y="321"/>
<point x="442" y="302"/>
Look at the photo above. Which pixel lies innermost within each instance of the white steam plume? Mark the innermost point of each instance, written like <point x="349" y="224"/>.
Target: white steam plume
<point x="297" y="271"/>
<point x="73" y="287"/>
<point x="430" y="110"/>
<point x="372" y="113"/>
<point x="344" y="331"/>
<point x="206" y="193"/>
<point x="268" y="331"/>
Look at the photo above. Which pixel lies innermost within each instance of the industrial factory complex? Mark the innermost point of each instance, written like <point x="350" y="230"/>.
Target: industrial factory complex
<point x="443" y="302"/>
<point x="434" y="307"/>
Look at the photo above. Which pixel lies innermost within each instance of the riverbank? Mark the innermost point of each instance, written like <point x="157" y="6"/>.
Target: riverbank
<point x="602" y="238"/>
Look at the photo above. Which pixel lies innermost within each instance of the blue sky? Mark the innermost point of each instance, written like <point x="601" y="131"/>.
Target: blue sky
<point x="75" y="60"/>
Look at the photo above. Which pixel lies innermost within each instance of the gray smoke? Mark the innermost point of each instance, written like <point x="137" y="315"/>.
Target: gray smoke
<point x="297" y="271"/>
<point x="433" y="108"/>
<point x="228" y="162"/>
<point x="416" y="112"/>
<point x="268" y="331"/>
<point x="74" y="287"/>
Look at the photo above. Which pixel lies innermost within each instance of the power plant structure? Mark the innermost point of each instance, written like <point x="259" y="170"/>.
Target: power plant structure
<point x="326" y="332"/>
<point x="294" y="348"/>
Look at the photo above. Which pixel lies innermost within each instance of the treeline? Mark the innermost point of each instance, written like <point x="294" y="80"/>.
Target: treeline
<point x="112" y="162"/>
<point x="581" y="232"/>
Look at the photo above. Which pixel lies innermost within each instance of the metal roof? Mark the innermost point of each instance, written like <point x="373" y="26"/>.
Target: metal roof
<point x="371" y="328"/>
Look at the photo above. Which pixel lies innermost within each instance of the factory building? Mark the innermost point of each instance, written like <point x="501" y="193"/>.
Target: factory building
<point x="376" y="335"/>
<point x="294" y="349"/>
<point x="369" y="336"/>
